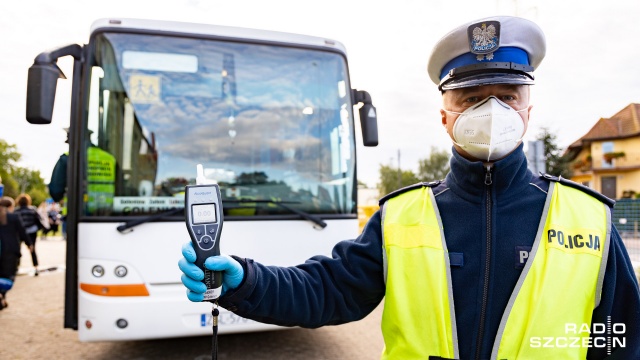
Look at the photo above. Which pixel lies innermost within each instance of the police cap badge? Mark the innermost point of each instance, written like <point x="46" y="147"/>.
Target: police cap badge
<point x="495" y="50"/>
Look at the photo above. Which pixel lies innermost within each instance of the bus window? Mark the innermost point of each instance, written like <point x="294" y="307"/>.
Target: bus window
<point x="269" y="123"/>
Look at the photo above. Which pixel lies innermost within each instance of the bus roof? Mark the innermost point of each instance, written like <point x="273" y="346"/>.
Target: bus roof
<point x="185" y="28"/>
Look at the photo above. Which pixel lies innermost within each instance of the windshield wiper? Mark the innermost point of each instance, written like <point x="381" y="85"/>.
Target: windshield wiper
<point x="283" y="204"/>
<point x="133" y="223"/>
<point x="126" y="227"/>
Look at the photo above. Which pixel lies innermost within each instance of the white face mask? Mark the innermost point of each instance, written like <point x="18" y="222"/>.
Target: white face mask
<point x="489" y="130"/>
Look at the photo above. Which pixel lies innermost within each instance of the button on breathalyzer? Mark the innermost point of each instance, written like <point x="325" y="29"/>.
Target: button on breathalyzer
<point x="203" y="216"/>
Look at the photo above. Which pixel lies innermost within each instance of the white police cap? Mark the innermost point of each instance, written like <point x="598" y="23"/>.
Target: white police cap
<point x="493" y="50"/>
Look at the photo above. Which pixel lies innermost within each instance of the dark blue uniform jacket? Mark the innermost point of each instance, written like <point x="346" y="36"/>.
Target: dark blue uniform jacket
<point x="485" y="226"/>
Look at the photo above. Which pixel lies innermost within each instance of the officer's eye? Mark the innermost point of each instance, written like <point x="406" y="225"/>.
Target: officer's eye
<point x="472" y="99"/>
<point x="507" y="98"/>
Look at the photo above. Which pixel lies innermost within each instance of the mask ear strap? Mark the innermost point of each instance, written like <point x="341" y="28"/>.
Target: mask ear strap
<point x="519" y="111"/>
<point x="457" y="143"/>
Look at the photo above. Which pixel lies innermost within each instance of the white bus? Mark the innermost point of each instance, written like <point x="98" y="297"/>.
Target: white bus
<point x="271" y="117"/>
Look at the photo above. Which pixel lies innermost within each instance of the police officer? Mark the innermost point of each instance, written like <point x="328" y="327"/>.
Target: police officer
<point x="493" y="262"/>
<point x="101" y="167"/>
<point x="58" y="185"/>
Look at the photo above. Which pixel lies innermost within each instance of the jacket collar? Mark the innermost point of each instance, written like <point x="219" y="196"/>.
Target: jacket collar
<point x="508" y="176"/>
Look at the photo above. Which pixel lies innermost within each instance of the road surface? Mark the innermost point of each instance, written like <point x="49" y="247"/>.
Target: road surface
<point x="32" y="329"/>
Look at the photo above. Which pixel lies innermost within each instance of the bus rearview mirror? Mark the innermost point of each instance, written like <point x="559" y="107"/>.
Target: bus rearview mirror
<point x="369" y="124"/>
<point x="41" y="92"/>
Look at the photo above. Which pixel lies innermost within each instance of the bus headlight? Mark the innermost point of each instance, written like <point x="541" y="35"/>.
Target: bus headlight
<point x="121" y="271"/>
<point x="97" y="271"/>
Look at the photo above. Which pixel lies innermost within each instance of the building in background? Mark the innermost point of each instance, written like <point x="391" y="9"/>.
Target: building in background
<point x="367" y="204"/>
<point x="535" y="157"/>
<point x="607" y="158"/>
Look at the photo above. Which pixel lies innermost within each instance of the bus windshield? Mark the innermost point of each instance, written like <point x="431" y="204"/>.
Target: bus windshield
<point x="269" y="123"/>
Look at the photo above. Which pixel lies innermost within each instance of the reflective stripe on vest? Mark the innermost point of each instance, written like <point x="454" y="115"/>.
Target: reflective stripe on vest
<point x="418" y="317"/>
<point x="560" y="285"/>
<point x="63" y="209"/>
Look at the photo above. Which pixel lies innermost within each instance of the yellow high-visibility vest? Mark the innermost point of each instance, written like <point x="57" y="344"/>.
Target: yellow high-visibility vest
<point x="101" y="174"/>
<point x="560" y="284"/>
<point x="63" y="208"/>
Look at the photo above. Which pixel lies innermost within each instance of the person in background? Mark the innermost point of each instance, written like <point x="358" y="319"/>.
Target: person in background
<point x="32" y="223"/>
<point x="58" y="183"/>
<point x="54" y="218"/>
<point x="58" y="186"/>
<point x="11" y="233"/>
<point x="100" y="187"/>
<point x="44" y="216"/>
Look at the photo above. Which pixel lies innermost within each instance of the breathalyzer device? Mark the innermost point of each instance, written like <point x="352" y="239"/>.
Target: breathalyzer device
<point x="203" y="216"/>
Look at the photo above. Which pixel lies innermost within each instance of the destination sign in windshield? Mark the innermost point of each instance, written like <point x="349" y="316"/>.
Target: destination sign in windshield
<point x="145" y="205"/>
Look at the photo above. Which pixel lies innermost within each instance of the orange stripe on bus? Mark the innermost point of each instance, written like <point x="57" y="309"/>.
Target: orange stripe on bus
<point x="115" y="290"/>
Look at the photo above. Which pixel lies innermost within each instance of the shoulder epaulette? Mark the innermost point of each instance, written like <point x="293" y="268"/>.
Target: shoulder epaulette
<point x="409" y="188"/>
<point x="575" y="185"/>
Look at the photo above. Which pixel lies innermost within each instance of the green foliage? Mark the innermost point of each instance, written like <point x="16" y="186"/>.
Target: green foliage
<point x="392" y="179"/>
<point x="38" y="196"/>
<point x="17" y="179"/>
<point x="435" y="167"/>
<point x="30" y="182"/>
<point x="9" y="156"/>
<point x="556" y="163"/>
<point x="11" y="187"/>
<point x="608" y="157"/>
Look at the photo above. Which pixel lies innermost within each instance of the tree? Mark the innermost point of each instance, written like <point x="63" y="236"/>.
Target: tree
<point x="9" y="156"/>
<point x="393" y="178"/>
<point x="435" y="167"/>
<point x="17" y="179"/>
<point x="32" y="183"/>
<point x="557" y="164"/>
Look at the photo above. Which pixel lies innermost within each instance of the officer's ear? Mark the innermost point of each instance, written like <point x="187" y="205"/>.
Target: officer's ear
<point x="443" y="116"/>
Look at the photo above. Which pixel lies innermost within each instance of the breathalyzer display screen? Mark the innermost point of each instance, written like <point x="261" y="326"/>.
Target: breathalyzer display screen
<point x="205" y="213"/>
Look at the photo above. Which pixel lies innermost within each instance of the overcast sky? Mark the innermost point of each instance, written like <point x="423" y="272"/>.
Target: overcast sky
<point x="590" y="71"/>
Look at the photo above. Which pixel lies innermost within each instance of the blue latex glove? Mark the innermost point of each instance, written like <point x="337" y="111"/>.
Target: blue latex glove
<point x="232" y="272"/>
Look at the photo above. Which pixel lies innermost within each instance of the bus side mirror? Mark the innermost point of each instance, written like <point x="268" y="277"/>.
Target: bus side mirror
<point x="42" y="82"/>
<point x="41" y="92"/>
<point x="368" y="118"/>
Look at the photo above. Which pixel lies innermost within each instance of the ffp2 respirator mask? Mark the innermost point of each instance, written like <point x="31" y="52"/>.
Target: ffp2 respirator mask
<point x="489" y="130"/>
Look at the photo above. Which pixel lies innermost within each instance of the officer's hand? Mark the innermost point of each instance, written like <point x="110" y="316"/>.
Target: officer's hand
<point x="232" y="272"/>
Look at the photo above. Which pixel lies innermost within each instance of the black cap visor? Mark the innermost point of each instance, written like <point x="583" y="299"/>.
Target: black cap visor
<point x="487" y="74"/>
